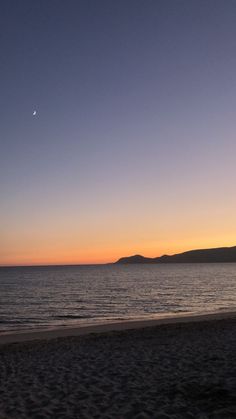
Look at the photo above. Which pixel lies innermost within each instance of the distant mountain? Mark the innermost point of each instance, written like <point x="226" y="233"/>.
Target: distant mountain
<point x="135" y="259"/>
<point x="220" y="254"/>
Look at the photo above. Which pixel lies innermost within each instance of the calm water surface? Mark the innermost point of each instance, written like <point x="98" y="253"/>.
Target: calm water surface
<point x="44" y="297"/>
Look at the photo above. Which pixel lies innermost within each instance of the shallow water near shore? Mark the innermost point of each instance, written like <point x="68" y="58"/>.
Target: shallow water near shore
<point x="60" y="296"/>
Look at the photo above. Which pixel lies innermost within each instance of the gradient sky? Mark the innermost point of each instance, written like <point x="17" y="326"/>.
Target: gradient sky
<point x="133" y="146"/>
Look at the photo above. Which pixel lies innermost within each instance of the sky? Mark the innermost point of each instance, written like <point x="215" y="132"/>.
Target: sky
<point x="132" y="148"/>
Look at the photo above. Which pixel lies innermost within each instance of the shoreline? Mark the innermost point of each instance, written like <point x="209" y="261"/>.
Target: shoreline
<point x="71" y="331"/>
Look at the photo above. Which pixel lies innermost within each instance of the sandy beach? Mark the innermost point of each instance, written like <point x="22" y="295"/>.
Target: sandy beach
<point x="172" y="368"/>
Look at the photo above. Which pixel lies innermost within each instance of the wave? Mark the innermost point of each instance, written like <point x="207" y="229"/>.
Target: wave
<point x="72" y="316"/>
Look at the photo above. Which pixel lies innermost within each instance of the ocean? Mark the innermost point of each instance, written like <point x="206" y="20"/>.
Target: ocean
<point x="45" y="297"/>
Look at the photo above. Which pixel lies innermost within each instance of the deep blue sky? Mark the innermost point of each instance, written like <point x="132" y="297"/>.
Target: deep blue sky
<point x="133" y="145"/>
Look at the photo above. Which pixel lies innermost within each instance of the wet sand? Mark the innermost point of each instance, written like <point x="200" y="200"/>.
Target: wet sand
<point x="52" y="333"/>
<point x="177" y="368"/>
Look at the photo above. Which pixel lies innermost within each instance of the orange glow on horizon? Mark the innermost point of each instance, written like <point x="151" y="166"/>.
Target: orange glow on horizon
<point x="59" y="239"/>
<point x="103" y="256"/>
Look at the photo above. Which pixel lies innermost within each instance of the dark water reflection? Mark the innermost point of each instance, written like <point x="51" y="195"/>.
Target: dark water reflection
<point x="36" y="297"/>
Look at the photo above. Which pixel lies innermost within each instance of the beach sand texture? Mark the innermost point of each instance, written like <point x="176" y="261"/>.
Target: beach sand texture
<point x="182" y="370"/>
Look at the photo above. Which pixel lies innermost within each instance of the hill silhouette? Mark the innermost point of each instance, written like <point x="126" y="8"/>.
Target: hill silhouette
<point x="215" y="255"/>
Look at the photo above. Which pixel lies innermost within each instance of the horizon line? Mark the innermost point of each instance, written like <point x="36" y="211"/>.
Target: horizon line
<point x="55" y="264"/>
<point x="103" y="263"/>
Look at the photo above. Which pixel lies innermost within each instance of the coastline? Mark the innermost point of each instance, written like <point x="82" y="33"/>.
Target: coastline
<point x="118" y="326"/>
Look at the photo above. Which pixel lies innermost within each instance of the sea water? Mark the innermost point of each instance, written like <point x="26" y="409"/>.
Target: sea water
<point x="59" y="296"/>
